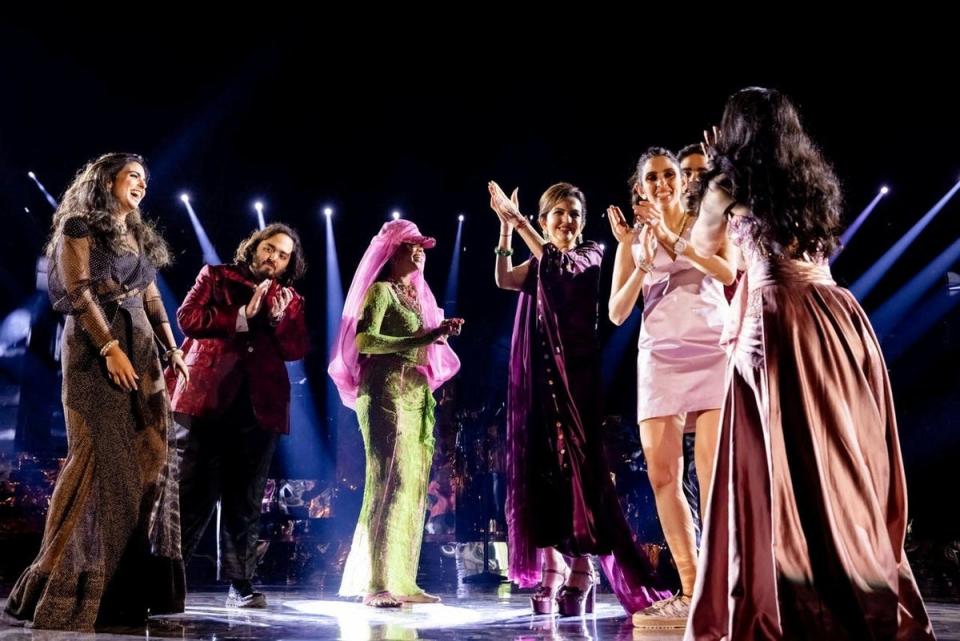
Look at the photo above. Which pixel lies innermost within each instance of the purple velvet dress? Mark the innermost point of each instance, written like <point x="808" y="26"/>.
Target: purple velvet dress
<point x="560" y="493"/>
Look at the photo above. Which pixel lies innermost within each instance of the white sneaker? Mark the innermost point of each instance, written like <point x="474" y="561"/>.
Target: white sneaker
<point x="668" y="614"/>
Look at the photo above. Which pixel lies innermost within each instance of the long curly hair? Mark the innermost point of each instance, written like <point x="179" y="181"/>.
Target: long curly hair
<point x="774" y="168"/>
<point x="89" y="197"/>
<point x="297" y="266"/>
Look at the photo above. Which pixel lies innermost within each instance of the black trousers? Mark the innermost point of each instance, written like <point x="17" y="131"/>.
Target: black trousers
<point x="224" y="459"/>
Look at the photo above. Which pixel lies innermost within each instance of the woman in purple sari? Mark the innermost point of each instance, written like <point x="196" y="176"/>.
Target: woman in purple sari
<point x="561" y="500"/>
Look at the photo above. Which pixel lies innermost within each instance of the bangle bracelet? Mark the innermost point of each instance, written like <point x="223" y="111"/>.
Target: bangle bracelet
<point x="108" y="346"/>
<point x="506" y="253"/>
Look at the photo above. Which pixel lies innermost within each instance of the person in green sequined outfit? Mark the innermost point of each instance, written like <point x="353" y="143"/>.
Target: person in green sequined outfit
<point x="399" y="357"/>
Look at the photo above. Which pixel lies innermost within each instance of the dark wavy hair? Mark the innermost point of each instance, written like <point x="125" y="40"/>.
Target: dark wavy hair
<point x="297" y="266"/>
<point x="771" y="165"/>
<point x="651" y="152"/>
<point x="89" y="197"/>
<point x="689" y="150"/>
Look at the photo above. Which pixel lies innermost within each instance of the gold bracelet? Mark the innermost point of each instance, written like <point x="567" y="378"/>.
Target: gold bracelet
<point x="108" y="346"/>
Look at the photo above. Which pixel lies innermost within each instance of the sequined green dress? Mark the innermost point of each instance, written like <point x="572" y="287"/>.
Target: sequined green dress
<point x="395" y="410"/>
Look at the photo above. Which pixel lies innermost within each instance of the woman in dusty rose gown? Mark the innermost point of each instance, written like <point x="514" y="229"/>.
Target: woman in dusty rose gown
<point x="680" y="363"/>
<point x="805" y="524"/>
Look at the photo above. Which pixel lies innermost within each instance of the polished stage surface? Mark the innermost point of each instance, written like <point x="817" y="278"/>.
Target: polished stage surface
<point x="475" y="613"/>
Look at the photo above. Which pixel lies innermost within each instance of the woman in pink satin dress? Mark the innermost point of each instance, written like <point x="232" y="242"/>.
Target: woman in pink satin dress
<point x="680" y="364"/>
<point x="805" y="526"/>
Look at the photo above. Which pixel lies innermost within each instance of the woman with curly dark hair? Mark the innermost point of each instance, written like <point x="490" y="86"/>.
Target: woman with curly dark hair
<point x="807" y="513"/>
<point x="111" y="545"/>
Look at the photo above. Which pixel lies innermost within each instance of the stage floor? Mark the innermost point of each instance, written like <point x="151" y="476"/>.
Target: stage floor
<point x="474" y="614"/>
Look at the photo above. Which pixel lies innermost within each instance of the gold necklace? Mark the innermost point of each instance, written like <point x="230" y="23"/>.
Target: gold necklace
<point x="683" y="224"/>
<point x="407" y="294"/>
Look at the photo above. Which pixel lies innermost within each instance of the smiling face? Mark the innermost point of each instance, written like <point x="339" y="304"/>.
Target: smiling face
<point x="659" y="182"/>
<point x="563" y="222"/>
<point x="129" y="186"/>
<point x="409" y="257"/>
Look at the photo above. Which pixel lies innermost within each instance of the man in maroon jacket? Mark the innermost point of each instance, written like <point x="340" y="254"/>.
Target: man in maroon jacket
<point x="242" y="321"/>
